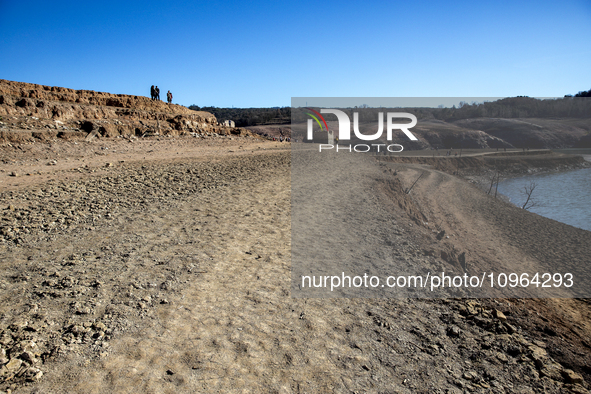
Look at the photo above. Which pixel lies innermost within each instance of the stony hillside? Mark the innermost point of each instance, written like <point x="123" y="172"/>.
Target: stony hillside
<point x="482" y="133"/>
<point x="30" y="111"/>
<point x="535" y="133"/>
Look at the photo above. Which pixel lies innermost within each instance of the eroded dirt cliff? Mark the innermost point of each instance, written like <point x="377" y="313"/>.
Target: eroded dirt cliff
<point x="31" y="111"/>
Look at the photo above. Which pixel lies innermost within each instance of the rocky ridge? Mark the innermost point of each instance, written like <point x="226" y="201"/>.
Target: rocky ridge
<point x="31" y="111"/>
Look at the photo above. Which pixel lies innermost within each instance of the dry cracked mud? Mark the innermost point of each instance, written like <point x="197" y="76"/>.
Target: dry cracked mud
<point x="172" y="274"/>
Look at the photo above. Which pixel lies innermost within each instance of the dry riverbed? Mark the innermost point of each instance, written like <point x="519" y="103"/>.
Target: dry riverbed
<point x="172" y="273"/>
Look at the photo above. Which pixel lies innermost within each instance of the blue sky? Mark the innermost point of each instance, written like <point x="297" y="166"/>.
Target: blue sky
<point x="261" y="53"/>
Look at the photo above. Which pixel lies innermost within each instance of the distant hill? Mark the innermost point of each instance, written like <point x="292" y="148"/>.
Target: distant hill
<point x="515" y="122"/>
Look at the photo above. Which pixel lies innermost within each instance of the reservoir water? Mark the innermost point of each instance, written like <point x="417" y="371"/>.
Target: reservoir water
<point x="562" y="196"/>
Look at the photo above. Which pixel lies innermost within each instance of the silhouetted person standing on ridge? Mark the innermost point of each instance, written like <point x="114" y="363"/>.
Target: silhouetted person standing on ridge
<point x="169" y="97"/>
<point x="152" y="92"/>
<point x="157" y="93"/>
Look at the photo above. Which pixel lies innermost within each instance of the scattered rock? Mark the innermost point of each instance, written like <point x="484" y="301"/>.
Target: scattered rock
<point x="28" y="357"/>
<point x="12" y="366"/>
<point x="539" y="355"/>
<point x="502" y="357"/>
<point x="33" y="374"/>
<point x="572" y="377"/>
<point x="454" y="331"/>
<point x="499" y="315"/>
<point x="552" y="370"/>
<point x="470" y="375"/>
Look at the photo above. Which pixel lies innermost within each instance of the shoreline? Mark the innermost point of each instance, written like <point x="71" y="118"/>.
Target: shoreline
<point x="550" y="202"/>
<point x="520" y="166"/>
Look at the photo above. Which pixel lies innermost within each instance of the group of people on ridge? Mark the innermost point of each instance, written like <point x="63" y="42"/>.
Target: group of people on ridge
<point x="155" y="94"/>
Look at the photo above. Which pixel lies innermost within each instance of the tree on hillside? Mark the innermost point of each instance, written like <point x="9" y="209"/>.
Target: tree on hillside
<point x="528" y="191"/>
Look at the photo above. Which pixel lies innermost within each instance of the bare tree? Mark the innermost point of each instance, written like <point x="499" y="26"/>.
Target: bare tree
<point x="413" y="185"/>
<point x="492" y="182"/>
<point x="497" y="184"/>
<point x="496" y="177"/>
<point x="527" y="191"/>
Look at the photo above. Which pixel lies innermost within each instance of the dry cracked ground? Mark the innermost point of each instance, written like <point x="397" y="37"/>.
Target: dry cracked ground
<point x="173" y="275"/>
